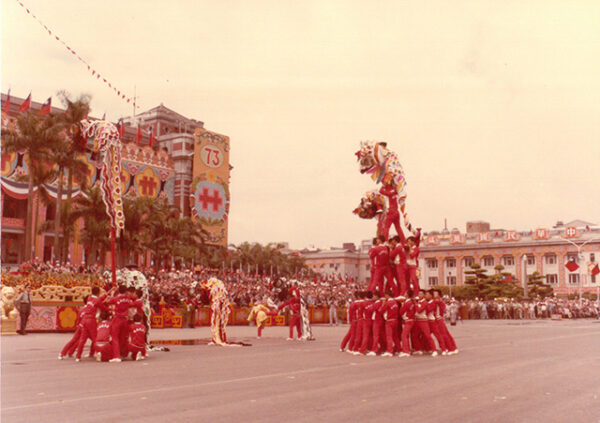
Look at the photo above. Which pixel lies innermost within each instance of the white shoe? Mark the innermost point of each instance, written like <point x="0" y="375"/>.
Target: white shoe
<point x="434" y="354"/>
<point x="290" y="339"/>
<point x="115" y="360"/>
<point x="355" y="353"/>
<point x="371" y="353"/>
<point x="78" y="360"/>
<point x="418" y="353"/>
<point x="60" y="357"/>
<point x="403" y="354"/>
<point x="341" y="350"/>
<point x="139" y="357"/>
<point x="387" y="354"/>
<point x="135" y="357"/>
<point x="444" y="352"/>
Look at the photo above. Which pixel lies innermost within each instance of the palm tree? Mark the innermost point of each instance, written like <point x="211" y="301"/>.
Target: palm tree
<point x="36" y="137"/>
<point x="96" y="228"/>
<point x="75" y="112"/>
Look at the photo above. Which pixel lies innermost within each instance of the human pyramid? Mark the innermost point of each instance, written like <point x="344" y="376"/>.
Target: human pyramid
<point x="393" y="316"/>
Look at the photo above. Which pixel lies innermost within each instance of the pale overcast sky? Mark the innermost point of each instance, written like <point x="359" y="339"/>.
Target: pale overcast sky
<point x="492" y="106"/>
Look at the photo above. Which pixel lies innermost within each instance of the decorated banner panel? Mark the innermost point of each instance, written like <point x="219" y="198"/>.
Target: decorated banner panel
<point x="209" y="192"/>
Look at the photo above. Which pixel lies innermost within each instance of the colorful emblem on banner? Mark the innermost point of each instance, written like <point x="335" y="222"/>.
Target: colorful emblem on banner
<point x="212" y="156"/>
<point x="210" y="201"/>
<point x="9" y="163"/>
<point x="147" y="183"/>
<point x="571" y="232"/>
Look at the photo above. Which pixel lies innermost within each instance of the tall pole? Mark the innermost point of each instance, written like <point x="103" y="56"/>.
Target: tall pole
<point x="580" y="257"/>
<point x="113" y="256"/>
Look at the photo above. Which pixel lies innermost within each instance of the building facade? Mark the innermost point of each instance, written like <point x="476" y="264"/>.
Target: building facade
<point x="446" y="255"/>
<point x="163" y="170"/>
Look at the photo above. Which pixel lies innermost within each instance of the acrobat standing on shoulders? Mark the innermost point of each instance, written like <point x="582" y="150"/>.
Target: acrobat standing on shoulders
<point x="393" y="215"/>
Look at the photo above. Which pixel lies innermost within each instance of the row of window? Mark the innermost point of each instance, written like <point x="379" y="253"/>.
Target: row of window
<point x="508" y="260"/>
<point x="551" y="279"/>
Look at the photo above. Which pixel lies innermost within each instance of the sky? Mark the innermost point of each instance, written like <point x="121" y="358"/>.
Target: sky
<point x="492" y="107"/>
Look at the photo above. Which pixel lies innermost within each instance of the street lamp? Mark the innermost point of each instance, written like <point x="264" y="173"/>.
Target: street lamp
<point x="450" y="282"/>
<point x="525" y="287"/>
<point x="580" y="257"/>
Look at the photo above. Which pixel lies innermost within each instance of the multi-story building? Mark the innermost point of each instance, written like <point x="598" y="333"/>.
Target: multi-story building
<point x="446" y="255"/>
<point x="163" y="170"/>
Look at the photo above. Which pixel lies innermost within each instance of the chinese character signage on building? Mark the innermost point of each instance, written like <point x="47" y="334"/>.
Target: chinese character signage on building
<point x="209" y="193"/>
<point x="432" y="240"/>
<point x="484" y="237"/>
<point x="570" y="232"/>
<point x="456" y="239"/>
<point x="541" y="233"/>
<point x="511" y="236"/>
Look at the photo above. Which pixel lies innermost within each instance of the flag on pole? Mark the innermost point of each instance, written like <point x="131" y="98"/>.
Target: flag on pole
<point x="138" y="135"/>
<point x="25" y="105"/>
<point x="595" y="270"/>
<point x="571" y="265"/>
<point x="46" y="107"/>
<point x="121" y="127"/>
<point x="7" y="103"/>
<point x="151" y="137"/>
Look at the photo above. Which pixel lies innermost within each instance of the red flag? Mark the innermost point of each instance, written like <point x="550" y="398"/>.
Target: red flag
<point x="151" y="137"/>
<point x="45" y="110"/>
<point x="7" y="103"/>
<point x="121" y="127"/>
<point x="595" y="270"/>
<point x="572" y="266"/>
<point x="138" y="136"/>
<point x="25" y="105"/>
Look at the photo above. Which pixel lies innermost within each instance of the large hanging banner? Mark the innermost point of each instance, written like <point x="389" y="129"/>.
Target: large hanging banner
<point x="209" y="192"/>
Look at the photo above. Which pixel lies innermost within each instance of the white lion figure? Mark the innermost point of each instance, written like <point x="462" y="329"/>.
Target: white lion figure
<point x="7" y="304"/>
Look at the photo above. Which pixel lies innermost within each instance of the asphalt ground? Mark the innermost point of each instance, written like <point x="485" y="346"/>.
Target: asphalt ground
<point x="506" y="371"/>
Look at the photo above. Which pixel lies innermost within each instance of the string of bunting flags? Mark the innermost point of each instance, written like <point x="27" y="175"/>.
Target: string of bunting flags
<point x="94" y="72"/>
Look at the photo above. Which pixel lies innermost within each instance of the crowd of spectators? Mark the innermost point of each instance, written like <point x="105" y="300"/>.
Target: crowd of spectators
<point x="530" y="309"/>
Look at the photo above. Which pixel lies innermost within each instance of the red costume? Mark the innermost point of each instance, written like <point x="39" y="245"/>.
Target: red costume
<point x="398" y="259"/>
<point x="367" y="325"/>
<point x="434" y="327"/>
<point x="391" y="312"/>
<point x="378" y="342"/>
<point x="88" y="322"/>
<point x="294" y="304"/>
<point x="422" y="325"/>
<point x="412" y="262"/>
<point x="407" y="311"/>
<point x="441" y="324"/>
<point x="120" y="325"/>
<point x="380" y="259"/>
<point x="356" y="342"/>
<point x="103" y="346"/>
<point x="349" y="338"/>
<point x="137" y="340"/>
<point x="393" y="215"/>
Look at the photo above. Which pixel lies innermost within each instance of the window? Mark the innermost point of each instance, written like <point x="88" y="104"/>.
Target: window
<point x="530" y="260"/>
<point x="508" y="260"/>
<point x="573" y="277"/>
<point x="468" y="261"/>
<point x="592" y="258"/>
<point x="433" y="281"/>
<point x="450" y="280"/>
<point x="14" y="208"/>
<point x="573" y="257"/>
<point x="432" y="263"/>
<point x="450" y="262"/>
<point x="488" y="261"/>
<point x="550" y="258"/>
<point x="552" y="279"/>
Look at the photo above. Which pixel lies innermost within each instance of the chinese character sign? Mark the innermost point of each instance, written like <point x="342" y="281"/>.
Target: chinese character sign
<point x="570" y="232"/>
<point x="541" y="233"/>
<point x="484" y="237"/>
<point x="456" y="239"/>
<point x="511" y="236"/>
<point x="209" y="192"/>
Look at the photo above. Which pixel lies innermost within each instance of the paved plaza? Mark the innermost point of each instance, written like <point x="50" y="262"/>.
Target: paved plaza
<point x="507" y="371"/>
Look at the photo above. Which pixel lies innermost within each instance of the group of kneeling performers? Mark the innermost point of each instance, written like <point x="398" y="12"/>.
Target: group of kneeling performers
<point x="118" y="334"/>
<point x="390" y="318"/>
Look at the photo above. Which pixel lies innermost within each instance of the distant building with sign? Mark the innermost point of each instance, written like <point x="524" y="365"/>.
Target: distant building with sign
<point x="446" y="255"/>
<point x="166" y="171"/>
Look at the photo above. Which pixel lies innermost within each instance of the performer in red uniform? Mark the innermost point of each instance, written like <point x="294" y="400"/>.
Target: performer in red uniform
<point x="367" y="323"/>
<point x="422" y="324"/>
<point x="353" y="319"/>
<point x="120" y="326"/>
<point x="412" y="261"/>
<point x="104" y="350"/>
<point x="88" y="321"/>
<point x="294" y="304"/>
<point x="378" y="341"/>
<point x="433" y="327"/>
<point x="439" y="320"/>
<point x="137" y="339"/>
<point x="398" y="263"/>
<point x="407" y="312"/>
<point x="393" y="215"/>
<point x="391" y="312"/>
<point x="356" y="342"/>
<point x="380" y="257"/>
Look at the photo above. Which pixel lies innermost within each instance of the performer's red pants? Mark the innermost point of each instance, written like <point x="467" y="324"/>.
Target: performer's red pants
<point x="423" y="328"/>
<point x="295" y="322"/>
<point x="413" y="280"/>
<point x="89" y="330"/>
<point x="119" y="331"/>
<point x="450" y="343"/>
<point x="367" y="324"/>
<point x="436" y="331"/>
<point x="71" y="346"/>
<point x="349" y="338"/>
<point x="391" y="336"/>
<point x="378" y="336"/>
<point x="406" y="330"/>
<point x="393" y="217"/>
<point x="379" y="272"/>
<point x="134" y="349"/>
<point x="105" y="350"/>
<point x="356" y="341"/>
<point x="400" y="275"/>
